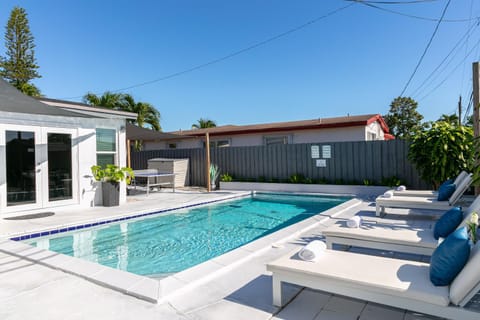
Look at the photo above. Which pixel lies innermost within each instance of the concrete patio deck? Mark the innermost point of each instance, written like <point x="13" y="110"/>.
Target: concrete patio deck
<point x="30" y="290"/>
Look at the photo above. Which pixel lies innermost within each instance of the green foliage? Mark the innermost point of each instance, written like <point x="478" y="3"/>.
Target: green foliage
<point x="449" y="118"/>
<point x="214" y="172"/>
<point x="442" y="151"/>
<point x="392" y="181"/>
<point x="112" y="173"/>
<point x="367" y="182"/>
<point x="19" y="66"/>
<point x="204" y="123"/>
<point x="147" y="115"/>
<point x="226" y="177"/>
<point x="296" y="178"/>
<point x="403" y="119"/>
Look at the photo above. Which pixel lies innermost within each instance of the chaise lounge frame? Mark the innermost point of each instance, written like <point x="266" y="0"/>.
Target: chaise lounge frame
<point x="290" y="270"/>
<point x="428" y="203"/>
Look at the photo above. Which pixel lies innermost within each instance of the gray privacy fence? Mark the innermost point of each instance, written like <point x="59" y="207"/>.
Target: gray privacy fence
<point x="336" y="162"/>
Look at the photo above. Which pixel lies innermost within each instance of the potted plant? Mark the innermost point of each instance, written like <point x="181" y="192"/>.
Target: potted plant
<point x="110" y="176"/>
<point x="214" y="173"/>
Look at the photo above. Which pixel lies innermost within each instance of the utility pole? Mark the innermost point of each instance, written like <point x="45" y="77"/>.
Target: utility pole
<point x="460" y="110"/>
<point x="476" y="116"/>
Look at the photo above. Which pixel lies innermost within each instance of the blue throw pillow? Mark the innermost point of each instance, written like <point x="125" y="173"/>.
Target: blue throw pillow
<point x="448" y="223"/>
<point x="449" y="181"/>
<point x="445" y="191"/>
<point x="449" y="258"/>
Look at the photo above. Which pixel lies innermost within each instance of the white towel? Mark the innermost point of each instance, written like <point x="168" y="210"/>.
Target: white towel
<point x="401" y="188"/>
<point x="312" y="251"/>
<point x="354" y="222"/>
<point x="388" y="194"/>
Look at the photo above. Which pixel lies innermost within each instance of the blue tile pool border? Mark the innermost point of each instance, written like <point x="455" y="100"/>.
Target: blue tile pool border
<point x="63" y="229"/>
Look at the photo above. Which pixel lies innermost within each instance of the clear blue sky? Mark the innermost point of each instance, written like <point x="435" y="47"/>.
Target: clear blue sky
<point x="355" y="61"/>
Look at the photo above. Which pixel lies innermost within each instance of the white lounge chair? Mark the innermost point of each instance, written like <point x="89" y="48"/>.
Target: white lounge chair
<point x="399" y="283"/>
<point x="388" y="236"/>
<point x="428" y="193"/>
<point x="422" y="202"/>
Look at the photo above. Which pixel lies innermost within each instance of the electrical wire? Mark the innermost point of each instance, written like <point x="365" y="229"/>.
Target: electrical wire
<point x="451" y="72"/>
<point x="370" y="4"/>
<point x="230" y="55"/>
<point x="426" y="48"/>
<point x="393" y="2"/>
<point x="463" y="39"/>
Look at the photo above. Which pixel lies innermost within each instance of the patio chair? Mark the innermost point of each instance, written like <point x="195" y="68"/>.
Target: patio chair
<point x="398" y="283"/>
<point x="391" y="237"/>
<point x="428" y="193"/>
<point x="422" y="202"/>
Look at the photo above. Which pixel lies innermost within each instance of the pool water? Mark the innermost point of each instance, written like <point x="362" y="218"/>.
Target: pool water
<point x="173" y="242"/>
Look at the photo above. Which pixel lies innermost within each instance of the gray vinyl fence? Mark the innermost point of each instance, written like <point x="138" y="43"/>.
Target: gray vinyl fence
<point x="336" y="162"/>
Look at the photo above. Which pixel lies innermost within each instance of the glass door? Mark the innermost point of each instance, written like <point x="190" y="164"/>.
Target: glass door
<point x="21" y="168"/>
<point x="60" y="167"/>
<point x="59" y="149"/>
<point x="38" y="168"/>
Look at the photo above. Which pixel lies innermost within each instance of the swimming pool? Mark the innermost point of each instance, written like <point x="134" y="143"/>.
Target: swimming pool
<point x="168" y="243"/>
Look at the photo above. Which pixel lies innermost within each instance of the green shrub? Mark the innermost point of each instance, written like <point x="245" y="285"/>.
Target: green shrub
<point x="226" y="177"/>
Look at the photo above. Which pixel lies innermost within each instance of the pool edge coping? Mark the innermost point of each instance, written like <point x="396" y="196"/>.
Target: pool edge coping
<point x="159" y="290"/>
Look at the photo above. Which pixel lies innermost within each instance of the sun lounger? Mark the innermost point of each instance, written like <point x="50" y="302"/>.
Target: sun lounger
<point x="399" y="283"/>
<point x="422" y="202"/>
<point x="428" y="193"/>
<point x="388" y="236"/>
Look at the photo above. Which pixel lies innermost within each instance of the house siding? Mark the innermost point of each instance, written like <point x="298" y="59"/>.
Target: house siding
<point x="342" y="134"/>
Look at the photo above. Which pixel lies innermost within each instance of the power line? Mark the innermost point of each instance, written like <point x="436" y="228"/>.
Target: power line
<point x="451" y="72"/>
<point x="467" y="112"/>
<point x="233" y="54"/>
<point x="467" y="36"/>
<point x="466" y="49"/>
<point x="426" y="48"/>
<point x="393" y="2"/>
<point x="370" y="4"/>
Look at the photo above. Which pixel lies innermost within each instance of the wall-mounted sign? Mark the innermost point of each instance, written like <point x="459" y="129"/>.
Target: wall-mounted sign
<point x="321" y="163"/>
<point x="326" y="152"/>
<point x="315" y="152"/>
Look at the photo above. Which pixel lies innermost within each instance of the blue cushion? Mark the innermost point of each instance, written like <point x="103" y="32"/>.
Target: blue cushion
<point x="448" y="223"/>
<point x="449" y="258"/>
<point x="445" y="191"/>
<point x="449" y="181"/>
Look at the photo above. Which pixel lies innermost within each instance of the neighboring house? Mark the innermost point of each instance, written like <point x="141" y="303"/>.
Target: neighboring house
<point x="47" y="149"/>
<point x="349" y="128"/>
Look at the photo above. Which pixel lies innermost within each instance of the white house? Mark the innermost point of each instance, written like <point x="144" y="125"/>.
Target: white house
<point x="350" y="128"/>
<point x="46" y="151"/>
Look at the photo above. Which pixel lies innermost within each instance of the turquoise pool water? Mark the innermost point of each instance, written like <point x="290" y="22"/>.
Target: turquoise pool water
<point x="173" y="242"/>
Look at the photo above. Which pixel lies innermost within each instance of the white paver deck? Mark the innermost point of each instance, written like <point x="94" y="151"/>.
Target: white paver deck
<point x="242" y="291"/>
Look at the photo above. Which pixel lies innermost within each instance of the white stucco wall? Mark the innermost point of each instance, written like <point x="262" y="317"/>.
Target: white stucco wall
<point x="359" y="133"/>
<point x="86" y="192"/>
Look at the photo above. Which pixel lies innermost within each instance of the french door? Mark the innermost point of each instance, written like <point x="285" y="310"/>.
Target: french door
<point x="39" y="167"/>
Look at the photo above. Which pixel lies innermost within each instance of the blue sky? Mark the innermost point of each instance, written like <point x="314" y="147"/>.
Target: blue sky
<point x="355" y="61"/>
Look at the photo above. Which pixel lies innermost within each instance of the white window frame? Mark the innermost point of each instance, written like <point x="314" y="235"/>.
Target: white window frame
<point x="115" y="153"/>
<point x="287" y="139"/>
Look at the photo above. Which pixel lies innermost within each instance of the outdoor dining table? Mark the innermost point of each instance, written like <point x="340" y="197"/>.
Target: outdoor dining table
<point x="151" y="176"/>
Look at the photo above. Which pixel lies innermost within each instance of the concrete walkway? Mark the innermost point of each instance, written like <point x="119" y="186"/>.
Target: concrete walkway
<point x="32" y="291"/>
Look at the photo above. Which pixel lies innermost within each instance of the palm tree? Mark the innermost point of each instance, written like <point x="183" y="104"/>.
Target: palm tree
<point x="204" y="123"/>
<point x="107" y="100"/>
<point x="146" y="113"/>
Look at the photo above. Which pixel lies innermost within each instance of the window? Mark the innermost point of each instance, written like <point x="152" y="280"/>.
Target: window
<point x="172" y="146"/>
<point x="371" y="136"/>
<point x="106" y="146"/>
<point x="276" y="140"/>
<point x="218" y="143"/>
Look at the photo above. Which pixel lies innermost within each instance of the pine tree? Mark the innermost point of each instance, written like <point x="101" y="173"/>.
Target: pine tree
<point x="19" y="66"/>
